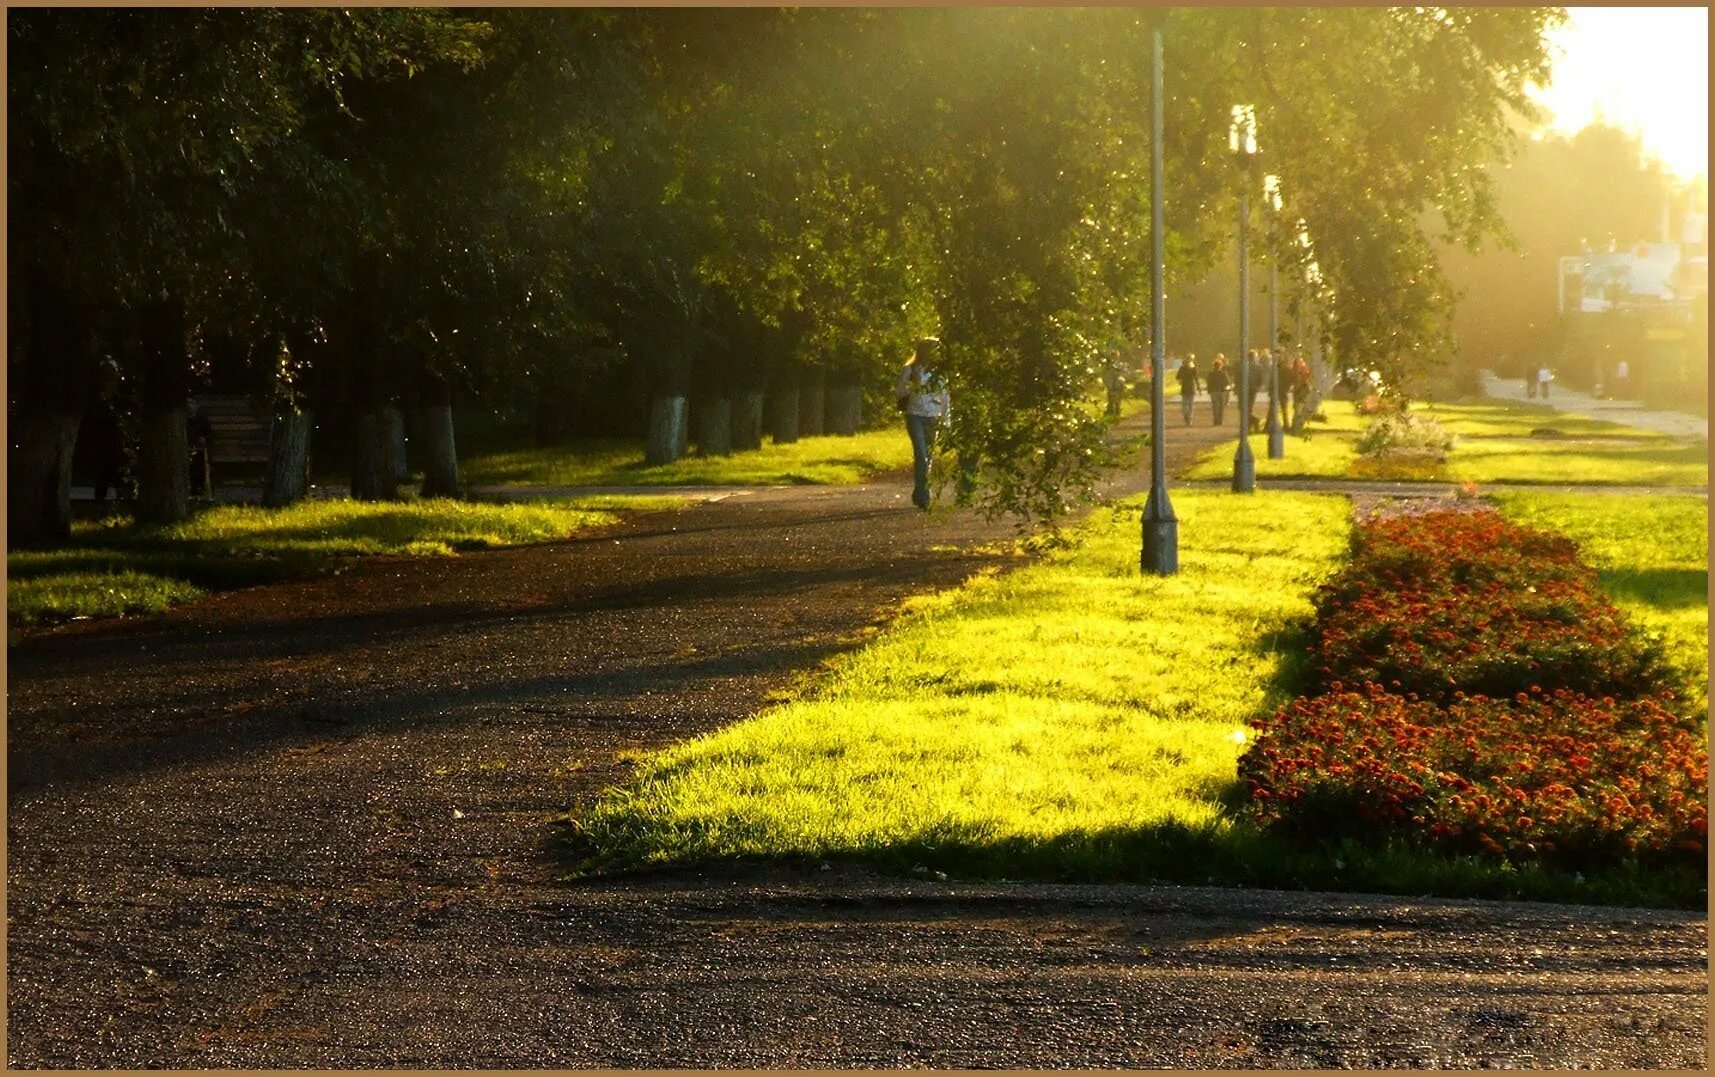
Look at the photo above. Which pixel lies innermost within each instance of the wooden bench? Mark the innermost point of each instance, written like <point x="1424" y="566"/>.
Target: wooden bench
<point x="237" y="430"/>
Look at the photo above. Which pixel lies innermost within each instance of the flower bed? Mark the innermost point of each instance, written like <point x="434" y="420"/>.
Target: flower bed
<point x="1448" y="602"/>
<point x="1555" y="776"/>
<point x="1506" y="707"/>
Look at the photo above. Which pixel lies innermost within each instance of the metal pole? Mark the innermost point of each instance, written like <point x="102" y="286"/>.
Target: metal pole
<point x="1244" y="463"/>
<point x="1276" y="435"/>
<point x="1160" y="526"/>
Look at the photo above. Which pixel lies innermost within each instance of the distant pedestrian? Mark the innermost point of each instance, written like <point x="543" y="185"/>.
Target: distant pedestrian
<point x="1187" y="386"/>
<point x="1253" y="384"/>
<point x="1622" y="381"/>
<point x="1217" y="384"/>
<point x="1300" y="391"/>
<point x="922" y="397"/>
<point x="1113" y="379"/>
<point x="1543" y="377"/>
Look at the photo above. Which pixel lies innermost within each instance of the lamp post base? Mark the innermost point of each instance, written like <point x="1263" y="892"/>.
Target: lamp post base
<point x="1276" y="440"/>
<point x="1244" y="467"/>
<point x="1160" y="536"/>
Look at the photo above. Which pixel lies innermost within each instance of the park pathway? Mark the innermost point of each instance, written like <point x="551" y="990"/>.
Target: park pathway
<point x="1629" y="412"/>
<point x="305" y="825"/>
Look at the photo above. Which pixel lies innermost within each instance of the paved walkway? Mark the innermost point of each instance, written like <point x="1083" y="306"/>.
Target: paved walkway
<point x="1630" y="412"/>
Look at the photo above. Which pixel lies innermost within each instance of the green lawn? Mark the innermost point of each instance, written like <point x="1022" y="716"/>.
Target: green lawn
<point x="1496" y="444"/>
<point x="1653" y="556"/>
<point x="114" y="567"/>
<point x="1058" y="709"/>
<point x="1071" y="720"/>
<point x="825" y="460"/>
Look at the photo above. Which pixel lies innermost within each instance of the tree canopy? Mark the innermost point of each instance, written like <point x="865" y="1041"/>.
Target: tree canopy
<point x="488" y="199"/>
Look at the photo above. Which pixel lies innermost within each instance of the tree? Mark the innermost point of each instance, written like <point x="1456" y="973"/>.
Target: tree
<point x="136" y="136"/>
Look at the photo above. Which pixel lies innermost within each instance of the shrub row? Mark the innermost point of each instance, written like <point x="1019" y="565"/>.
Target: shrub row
<point x="1479" y="695"/>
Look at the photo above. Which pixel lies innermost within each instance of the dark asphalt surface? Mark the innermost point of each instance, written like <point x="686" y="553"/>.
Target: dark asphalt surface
<point x="304" y="825"/>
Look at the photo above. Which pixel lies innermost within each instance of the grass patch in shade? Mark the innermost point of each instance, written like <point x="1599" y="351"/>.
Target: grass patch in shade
<point x="114" y="566"/>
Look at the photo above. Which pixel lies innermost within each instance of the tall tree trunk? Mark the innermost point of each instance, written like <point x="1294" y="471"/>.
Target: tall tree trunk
<point x="164" y="457"/>
<point x="668" y="435"/>
<point x="783" y="415"/>
<point x="747" y="420"/>
<point x="38" y="477"/>
<point x="812" y="397"/>
<point x="441" y="457"/>
<point x="714" y="427"/>
<point x="163" y="464"/>
<point x="288" y="475"/>
<point x="845" y="409"/>
<point x="396" y="431"/>
<point x="373" y="475"/>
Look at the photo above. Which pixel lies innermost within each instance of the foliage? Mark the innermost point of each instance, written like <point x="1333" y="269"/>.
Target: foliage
<point x="483" y="200"/>
<point x="1405" y="432"/>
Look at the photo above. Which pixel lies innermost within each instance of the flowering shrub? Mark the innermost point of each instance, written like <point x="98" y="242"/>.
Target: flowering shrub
<point x="1405" y="433"/>
<point x="1506" y="706"/>
<point x="1555" y="776"/>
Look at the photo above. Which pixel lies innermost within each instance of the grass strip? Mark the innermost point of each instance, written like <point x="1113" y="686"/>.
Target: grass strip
<point x="1651" y="554"/>
<point x="114" y="566"/>
<point x="824" y="460"/>
<point x="1498" y="442"/>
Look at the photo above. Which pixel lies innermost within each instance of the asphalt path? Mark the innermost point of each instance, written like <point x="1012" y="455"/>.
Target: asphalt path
<point x="306" y="825"/>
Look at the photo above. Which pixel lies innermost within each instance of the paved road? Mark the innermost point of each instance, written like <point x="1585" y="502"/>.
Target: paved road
<point x="304" y="825"/>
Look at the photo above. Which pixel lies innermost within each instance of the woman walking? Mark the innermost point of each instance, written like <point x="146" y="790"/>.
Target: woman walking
<point x="922" y="396"/>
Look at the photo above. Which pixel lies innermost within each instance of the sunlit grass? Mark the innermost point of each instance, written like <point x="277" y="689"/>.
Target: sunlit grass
<point x="1620" y="462"/>
<point x="1054" y="707"/>
<point x="1320" y="454"/>
<point x="1496" y="444"/>
<point x="115" y="566"/>
<point x="1653" y="556"/>
<point x="824" y="460"/>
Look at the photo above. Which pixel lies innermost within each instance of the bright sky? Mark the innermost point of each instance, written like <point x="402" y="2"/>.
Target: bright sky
<point x="1646" y="69"/>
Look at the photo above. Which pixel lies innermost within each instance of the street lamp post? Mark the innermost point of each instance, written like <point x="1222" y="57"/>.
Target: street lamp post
<point x="1241" y="139"/>
<point x="1276" y="436"/>
<point x="1160" y="526"/>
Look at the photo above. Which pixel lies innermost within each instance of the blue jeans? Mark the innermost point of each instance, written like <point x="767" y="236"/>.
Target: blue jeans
<point x="922" y="430"/>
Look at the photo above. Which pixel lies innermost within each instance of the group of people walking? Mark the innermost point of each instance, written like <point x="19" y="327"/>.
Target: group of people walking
<point x="1218" y="382"/>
